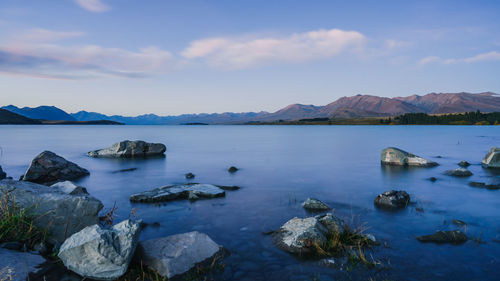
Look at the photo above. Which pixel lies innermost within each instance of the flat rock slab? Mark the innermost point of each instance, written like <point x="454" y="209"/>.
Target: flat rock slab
<point x="451" y="237"/>
<point x="16" y="266"/>
<point x="99" y="253"/>
<point x="130" y="149"/>
<point x="181" y="191"/>
<point x="176" y="254"/>
<point x="315" y="205"/>
<point x="492" y="158"/>
<point x="398" y="157"/>
<point x="48" y="168"/>
<point x="392" y="200"/>
<point x="62" y="213"/>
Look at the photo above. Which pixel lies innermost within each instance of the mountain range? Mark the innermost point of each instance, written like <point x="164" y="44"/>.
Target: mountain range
<point x="343" y="108"/>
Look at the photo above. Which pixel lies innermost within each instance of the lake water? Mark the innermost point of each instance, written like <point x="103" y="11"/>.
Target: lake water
<point x="280" y="167"/>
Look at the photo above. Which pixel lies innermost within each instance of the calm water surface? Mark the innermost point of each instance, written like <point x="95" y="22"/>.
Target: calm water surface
<point x="280" y="167"/>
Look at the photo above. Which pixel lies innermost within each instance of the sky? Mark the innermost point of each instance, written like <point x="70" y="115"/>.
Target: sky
<point x="171" y="57"/>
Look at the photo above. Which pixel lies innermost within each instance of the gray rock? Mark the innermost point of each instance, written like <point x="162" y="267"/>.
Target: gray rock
<point x="451" y="236"/>
<point x="298" y="236"/>
<point x="99" y="253"/>
<point x="48" y="167"/>
<point x="315" y="205"/>
<point x="130" y="149"/>
<point x="232" y="169"/>
<point x="332" y="223"/>
<point x="62" y="214"/>
<point x="70" y="188"/>
<point x="458" y="222"/>
<point x="392" y="200"/>
<point x="492" y="158"/>
<point x="3" y="175"/>
<point x="464" y="164"/>
<point x="397" y="157"/>
<point x="190" y="176"/>
<point x="176" y="254"/>
<point x="459" y="172"/>
<point x="181" y="191"/>
<point x="16" y="266"/>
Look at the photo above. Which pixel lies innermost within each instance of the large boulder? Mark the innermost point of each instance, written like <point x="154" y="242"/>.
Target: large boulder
<point x="492" y="158"/>
<point x="130" y="149"/>
<point x="48" y="167"/>
<point x="181" y="191"/>
<point x="313" y="204"/>
<point x="392" y="200"/>
<point x="459" y="172"/>
<point x="16" y="266"/>
<point x="3" y="175"/>
<point x="176" y="254"/>
<point x="450" y="236"/>
<point x="99" y="253"/>
<point x="299" y="236"/>
<point x="397" y="157"/>
<point x="60" y="213"/>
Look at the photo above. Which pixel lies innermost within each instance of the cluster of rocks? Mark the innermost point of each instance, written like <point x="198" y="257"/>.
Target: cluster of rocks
<point x="70" y="215"/>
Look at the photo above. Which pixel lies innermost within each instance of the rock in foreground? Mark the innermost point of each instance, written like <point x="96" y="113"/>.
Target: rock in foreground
<point x="130" y="149"/>
<point x="397" y="157"/>
<point x="100" y="253"/>
<point x="48" y="167"/>
<point x="16" y="266"/>
<point x="315" y="205"/>
<point x="182" y="191"/>
<point x="451" y="236"/>
<point x="459" y="172"/>
<point x="392" y="200"/>
<point x="176" y="254"/>
<point x="61" y="213"/>
<point x="299" y="236"/>
<point x="492" y="158"/>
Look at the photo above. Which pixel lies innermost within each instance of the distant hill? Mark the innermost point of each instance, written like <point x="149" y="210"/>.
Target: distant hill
<point x="7" y="117"/>
<point x="41" y="112"/>
<point x="343" y="108"/>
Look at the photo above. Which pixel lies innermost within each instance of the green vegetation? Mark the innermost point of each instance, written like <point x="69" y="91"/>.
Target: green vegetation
<point x="468" y="118"/>
<point x="16" y="224"/>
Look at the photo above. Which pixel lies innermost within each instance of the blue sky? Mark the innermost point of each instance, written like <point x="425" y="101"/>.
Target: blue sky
<point x="171" y="57"/>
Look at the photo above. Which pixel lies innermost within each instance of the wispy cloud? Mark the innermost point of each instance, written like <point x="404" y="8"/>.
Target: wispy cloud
<point x="484" y="57"/>
<point x="96" y="6"/>
<point x="38" y="51"/>
<point x="235" y="53"/>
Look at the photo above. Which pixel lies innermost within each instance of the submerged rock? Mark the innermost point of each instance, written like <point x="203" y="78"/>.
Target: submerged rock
<point x="60" y="213"/>
<point x="315" y="205"/>
<point x="232" y="169"/>
<point x="189" y="176"/>
<point x="16" y="266"/>
<point x="492" y="158"/>
<point x="459" y="172"/>
<point x="392" y="200"/>
<point x="130" y="149"/>
<point x="458" y="222"/>
<point x="299" y="236"/>
<point x="450" y="236"/>
<point x="3" y="175"/>
<point x="484" y="185"/>
<point x="176" y="254"/>
<point x="433" y="179"/>
<point x="99" y="253"/>
<point x="464" y="164"/>
<point x="181" y="191"/>
<point x="397" y="157"/>
<point x="48" y="167"/>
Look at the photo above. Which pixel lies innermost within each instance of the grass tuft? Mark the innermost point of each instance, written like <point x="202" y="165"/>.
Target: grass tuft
<point x="16" y="224"/>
